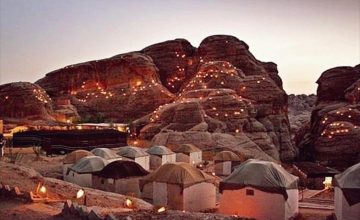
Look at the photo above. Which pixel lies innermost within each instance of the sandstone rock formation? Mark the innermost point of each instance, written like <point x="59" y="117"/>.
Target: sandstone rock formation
<point x="121" y="88"/>
<point x="334" y="134"/>
<point x="216" y="95"/>
<point x="221" y="107"/>
<point x="300" y="108"/>
<point x="25" y="101"/>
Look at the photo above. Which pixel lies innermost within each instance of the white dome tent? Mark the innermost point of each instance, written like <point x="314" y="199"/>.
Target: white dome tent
<point x="81" y="172"/>
<point x="347" y="194"/>
<point x="136" y="154"/>
<point x="72" y="158"/>
<point x="248" y="190"/>
<point x="225" y="161"/>
<point x="120" y="176"/>
<point x="160" y="155"/>
<point x="188" y="153"/>
<point x="180" y="186"/>
<point x="105" y="153"/>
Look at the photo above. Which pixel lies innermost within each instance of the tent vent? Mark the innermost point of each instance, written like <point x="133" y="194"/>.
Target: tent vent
<point x="250" y="192"/>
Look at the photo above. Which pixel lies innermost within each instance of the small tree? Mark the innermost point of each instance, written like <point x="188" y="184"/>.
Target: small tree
<point x="37" y="150"/>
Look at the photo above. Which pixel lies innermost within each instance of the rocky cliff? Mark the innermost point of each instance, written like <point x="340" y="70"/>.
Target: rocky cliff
<point x="300" y="108"/>
<point x="334" y="133"/>
<point x="216" y="96"/>
<point x="25" y="101"/>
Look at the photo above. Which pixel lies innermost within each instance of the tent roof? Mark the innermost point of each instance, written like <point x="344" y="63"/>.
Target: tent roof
<point x="226" y="156"/>
<point x="89" y="164"/>
<point x="74" y="156"/>
<point x="182" y="174"/>
<point x="314" y="170"/>
<point x="105" y="153"/>
<point x="349" y="182"/>
<point x="263" y="175"/>
<point x="186" y="149"/>
<point x="121" y="169"/>
<point x="159" y="150"/>
<point x="131" y="152"/>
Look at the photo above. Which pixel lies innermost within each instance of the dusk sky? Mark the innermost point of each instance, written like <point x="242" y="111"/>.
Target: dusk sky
<point x="304" y="37"/>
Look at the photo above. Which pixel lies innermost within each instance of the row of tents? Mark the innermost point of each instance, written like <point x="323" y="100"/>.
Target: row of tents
<point x="149" y="159"/>
<point x="180" y="185"/>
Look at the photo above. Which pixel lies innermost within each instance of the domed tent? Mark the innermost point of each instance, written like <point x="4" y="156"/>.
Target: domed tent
<point x="225" y="161"/>
<point x="248" y="190"/>
<point x="188" y="153"/>
<point x="160" y="155"/>
<point x="120" y="176"/>
<point x="72" y="158"/>
<point x="347" y="193"/>
<point x="105" y="153"/>
<point x="179" y="186"/>
<point x="81" y="172"/>
<point x="136" y="154"/>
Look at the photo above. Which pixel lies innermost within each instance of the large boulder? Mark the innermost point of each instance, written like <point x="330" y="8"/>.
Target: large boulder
<point x="25" y="101"/>
<point x="333" y="137"/>
<point x="121" y="88"/>
<point x="220" y="98"/>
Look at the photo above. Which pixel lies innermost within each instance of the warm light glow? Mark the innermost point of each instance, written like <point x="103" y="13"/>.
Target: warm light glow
<point x="138" y="83"/>
<point x="213" y="173"/>
<point x="43" y="189"/>
<point x="162" y="209"/>
<point x="128" y="203"/>
<point x="327" y="182"/>
<point x="80" y="193"/>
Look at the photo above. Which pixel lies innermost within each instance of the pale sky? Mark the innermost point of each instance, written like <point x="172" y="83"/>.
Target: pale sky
<point x="304" y="37"/>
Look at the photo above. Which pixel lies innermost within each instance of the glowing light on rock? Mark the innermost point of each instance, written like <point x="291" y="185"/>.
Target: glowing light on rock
<point x="80" y="193"/>
<point x="162" y="209"/>
<point x="327" y="182"/>
<point x="43" y="189"/>
<point x="128" y="203"/>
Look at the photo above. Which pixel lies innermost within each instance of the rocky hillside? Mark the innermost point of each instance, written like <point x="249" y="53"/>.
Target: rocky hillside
<point x="23" y="100"/>
<point x="300" y="108"/>
<point x="334" y="133"/>
<point x="215" y="96"/>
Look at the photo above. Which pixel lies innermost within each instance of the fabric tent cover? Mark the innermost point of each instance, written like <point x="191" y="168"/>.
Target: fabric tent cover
<point x="74" y="156"/>
<point x="89" y="164"/>
<point x="263" y="175"/>
<point x="159" y="150"/>
<point x="105" y="153"/>
<point x="131" y="152"/>
<point x="349" y="182"/>
<point x="226" y="156"/>
<point x="121" y="169"/>
<point x="186" y="149"/>
<point x="182" y="174"/>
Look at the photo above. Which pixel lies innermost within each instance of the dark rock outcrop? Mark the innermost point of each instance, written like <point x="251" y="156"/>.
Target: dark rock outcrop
<point x="300" y="108"/>
<point x="334" y="133"/>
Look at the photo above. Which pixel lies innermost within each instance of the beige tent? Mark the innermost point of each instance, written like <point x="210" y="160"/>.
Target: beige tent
<point x="347" y="194"/>
<point x="179" y="186"/>
<point x="72" y="158"/>
<point x="188" y="153"/>
<point x="224" y="162"/>
<point x="136" y="154"/>
<point x="160" y="155"/>
<point x="81" y="172"/>
<point x="261" y="190"/>
<point x="120" y="176"/>
<point x="105" y="153"/>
